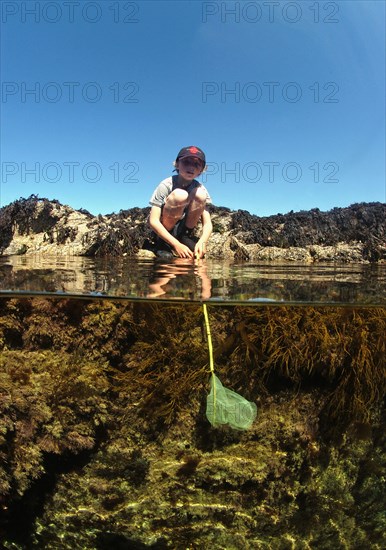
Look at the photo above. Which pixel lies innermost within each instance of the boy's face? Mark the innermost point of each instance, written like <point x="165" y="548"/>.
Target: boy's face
<point x="189" y="167"/>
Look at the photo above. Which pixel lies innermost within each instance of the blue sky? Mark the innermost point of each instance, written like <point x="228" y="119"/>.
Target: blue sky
<point x="287" y="100"/>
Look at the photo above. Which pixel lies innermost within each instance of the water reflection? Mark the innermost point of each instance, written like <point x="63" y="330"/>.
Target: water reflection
<point x="186" y="278"/>
<point x="195" y="280"/>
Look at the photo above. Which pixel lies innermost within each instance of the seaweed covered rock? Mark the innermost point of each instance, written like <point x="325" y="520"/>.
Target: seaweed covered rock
<point x="352" y="234"/>
<point x="307" y="474"/>
<point x="50" y="402"/>
<point x="39" y="225"/>
<point x="279" y="484"/>
<point x="117" y="234"/>
<point x="359" y="222"/>
<point x="361" y="227"/>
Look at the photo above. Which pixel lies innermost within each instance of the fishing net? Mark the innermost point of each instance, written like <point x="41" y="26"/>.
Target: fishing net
<point x="224" y="406"/>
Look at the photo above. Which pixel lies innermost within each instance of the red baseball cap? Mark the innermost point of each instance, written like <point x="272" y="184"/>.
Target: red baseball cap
<point x="191" y="151"/>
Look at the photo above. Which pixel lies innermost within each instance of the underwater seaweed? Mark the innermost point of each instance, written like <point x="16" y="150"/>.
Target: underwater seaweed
<point x="168" y="362"/>
<point x="162" y="475"/>
<point x="160" y="352"/>
<point x="50" y="402"/>
<point x="341" y="348"/>
<point x="280" y="486"/>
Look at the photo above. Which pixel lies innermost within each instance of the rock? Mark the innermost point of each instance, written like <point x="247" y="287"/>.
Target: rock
<point x="145" y="254"/>
<point x="343" y="252"/>
<point x="352" y="234"/>
<point x="274" y="253"/>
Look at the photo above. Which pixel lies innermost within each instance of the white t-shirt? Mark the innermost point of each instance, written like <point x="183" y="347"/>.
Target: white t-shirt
<point x="168" y="185"/>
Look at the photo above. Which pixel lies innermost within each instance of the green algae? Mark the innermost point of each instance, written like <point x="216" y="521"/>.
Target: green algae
<point x="126" y="384"/>
<point x="50" y="403"/>
<point x="281" y="483"/>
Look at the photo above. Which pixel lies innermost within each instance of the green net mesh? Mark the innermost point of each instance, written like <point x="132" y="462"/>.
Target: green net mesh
<point x="226" y="407"/>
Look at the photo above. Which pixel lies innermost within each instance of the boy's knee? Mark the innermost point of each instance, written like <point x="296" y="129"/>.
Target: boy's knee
<point x="199" y="195"/>
<point x="178" y="197"/>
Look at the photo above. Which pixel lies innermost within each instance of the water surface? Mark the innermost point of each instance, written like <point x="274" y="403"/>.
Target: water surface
<point x="217" y="281"/>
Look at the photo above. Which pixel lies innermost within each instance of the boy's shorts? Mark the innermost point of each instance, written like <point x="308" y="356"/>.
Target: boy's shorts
<point x="177" y="232"/>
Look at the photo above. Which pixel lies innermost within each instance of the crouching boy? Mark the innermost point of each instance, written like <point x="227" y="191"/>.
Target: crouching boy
<point x="177" y="204"/>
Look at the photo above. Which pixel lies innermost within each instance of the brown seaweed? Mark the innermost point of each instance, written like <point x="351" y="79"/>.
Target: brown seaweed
<point x="160" y="474"/>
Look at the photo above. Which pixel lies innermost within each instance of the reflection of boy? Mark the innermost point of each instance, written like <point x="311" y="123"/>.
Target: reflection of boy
<point x="176" y="270"/>
<point x="177" y="204"/>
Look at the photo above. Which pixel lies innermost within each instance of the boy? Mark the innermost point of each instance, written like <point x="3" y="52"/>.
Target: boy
<point x="176" y="206"/>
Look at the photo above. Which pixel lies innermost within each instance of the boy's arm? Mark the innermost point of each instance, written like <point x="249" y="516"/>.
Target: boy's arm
<point x="200" y="248"/>
<point x="155" y="223"/>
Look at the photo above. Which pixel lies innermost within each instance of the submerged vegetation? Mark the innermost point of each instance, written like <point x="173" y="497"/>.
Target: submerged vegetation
<point x="125" y="384"/>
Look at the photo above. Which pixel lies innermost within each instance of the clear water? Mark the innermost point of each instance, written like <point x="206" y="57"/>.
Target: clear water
<point x="216" y="281"/>
<point x="104" y="442"/>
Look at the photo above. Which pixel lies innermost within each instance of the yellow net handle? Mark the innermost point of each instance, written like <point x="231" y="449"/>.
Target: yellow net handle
<point x="210" y="347"/>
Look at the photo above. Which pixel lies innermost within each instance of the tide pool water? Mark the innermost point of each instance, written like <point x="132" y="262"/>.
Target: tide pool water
<point x="104" y="378"/>
<point x="217" y="281"/>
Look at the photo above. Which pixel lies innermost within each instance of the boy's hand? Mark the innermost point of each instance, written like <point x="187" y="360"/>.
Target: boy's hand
<point x="182" y="250"/>
<point x="200" y="249"/>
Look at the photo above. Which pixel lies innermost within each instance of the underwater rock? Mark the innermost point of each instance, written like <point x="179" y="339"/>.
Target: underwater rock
<point x="125" y="385"/>
<point x="353" y="234"/>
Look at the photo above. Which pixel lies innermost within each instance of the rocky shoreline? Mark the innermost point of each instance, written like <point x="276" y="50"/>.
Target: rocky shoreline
<point x="352" y="234"/>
